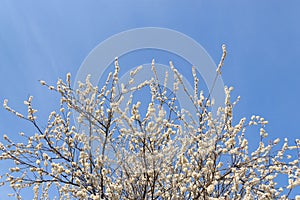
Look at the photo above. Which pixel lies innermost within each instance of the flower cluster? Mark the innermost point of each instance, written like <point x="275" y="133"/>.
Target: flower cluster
<point x="122" y="152"/>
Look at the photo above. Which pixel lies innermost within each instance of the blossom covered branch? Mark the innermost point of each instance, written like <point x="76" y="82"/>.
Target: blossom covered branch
<point x="124" y="152"/>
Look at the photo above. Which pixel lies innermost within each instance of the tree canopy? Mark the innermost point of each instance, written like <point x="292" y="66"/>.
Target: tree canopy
<point x="117" y="150"/>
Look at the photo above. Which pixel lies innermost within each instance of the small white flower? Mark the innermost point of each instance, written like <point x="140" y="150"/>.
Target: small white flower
<point x="276" y="141"/>
<point x="42" y="82"/>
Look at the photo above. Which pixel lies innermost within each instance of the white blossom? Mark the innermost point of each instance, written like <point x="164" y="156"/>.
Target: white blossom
<point x="156" y="150"/>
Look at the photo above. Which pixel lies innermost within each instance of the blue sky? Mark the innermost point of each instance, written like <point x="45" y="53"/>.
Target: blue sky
<point x="47" y="40"/>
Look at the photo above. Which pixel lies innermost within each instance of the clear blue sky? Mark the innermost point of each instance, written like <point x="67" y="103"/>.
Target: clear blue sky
<point x="47" y="40"/>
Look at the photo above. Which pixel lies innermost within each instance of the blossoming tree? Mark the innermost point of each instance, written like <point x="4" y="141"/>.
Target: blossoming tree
<point x="120" y="152"/>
